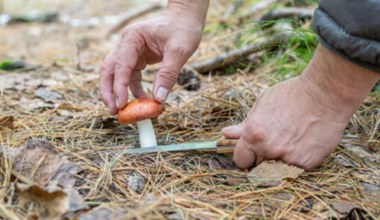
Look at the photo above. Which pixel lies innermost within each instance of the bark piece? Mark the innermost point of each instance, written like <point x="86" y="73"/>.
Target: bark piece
<point x="270" y="173"/>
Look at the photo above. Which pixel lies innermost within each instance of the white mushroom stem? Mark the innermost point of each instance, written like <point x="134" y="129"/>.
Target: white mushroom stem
<point x="146" y="134"/>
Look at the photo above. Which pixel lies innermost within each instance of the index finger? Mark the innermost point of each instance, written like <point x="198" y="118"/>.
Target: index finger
<point x="106" y="82"/>
<point x="127" y="55"/>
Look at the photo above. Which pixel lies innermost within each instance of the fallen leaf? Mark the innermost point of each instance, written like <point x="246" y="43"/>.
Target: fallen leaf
<point x="270" y="173"/>
<point x="136" y="183"/>
<point x="222" y="162"/>
<point x="65" y="176"/>
<point x="47" y="95"/>
<point x="189" y="80"/>
<point x="76" y="202"/>
<point x="6" y="122"/>
<point x="6" y="127"/>
<point x="235" y="180"/>
<point x="39" y="162"/>
<point x="14" y="81"/>
<point x="175" y="216"/>
<point x="49" y="202"/>
<point x="214" y="164"/>
<point x="32" y="104"/>
<point x="343" y="207"/>
<point x="102" y="213"/>
<point x="344" y="161"/>
<point x="371" y="190"/>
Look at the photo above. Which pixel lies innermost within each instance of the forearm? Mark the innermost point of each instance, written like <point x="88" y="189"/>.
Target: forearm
<point x="186" y="9"/>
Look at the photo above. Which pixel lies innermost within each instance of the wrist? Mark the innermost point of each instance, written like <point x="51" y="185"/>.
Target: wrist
<point x="346" y="84"/>
<point x="195" y="10"/>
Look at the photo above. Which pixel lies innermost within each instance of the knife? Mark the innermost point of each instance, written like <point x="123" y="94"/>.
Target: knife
<point x="219" y="146"/>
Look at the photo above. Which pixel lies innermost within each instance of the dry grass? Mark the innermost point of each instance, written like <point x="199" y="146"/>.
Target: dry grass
<point x="178" y="185"/>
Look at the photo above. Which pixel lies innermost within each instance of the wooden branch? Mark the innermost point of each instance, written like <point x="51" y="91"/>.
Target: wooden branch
<point x="232" y="56"/>
<point x="232" y="9"/>
<point x="301" y="13"/>
<point x="133" y="14"/>
<point x="258" y="7"/>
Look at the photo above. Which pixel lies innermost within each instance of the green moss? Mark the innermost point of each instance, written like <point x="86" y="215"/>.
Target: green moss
<point x="10" y="65"/>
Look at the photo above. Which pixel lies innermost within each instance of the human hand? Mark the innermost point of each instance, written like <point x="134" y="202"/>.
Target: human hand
<point x="301" y="121"/>
<point x="171" y="38"/>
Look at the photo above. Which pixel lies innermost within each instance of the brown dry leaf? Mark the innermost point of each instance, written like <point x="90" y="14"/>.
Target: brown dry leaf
<point x="344" y="161"/>
<point x="39" y="162"/>
<point x="222" y="162"/>
<point x="65" y="176"/>
<point x="343" y="207"/>
<point x="371" y="190"/>
<point x="235" y="180"/>
<point x="6" y="126"/>
<point x="32" y="104"/>
<point x="136" y="183"/>
<point x="104" y="213"/>
<point x="270" y="172"/>
<point x="50" y="202"/>
<point x="46" y="203"/>
<point x="47" y="95"/>
<point x="6" y="122"/>
<point x="76" y="201"/>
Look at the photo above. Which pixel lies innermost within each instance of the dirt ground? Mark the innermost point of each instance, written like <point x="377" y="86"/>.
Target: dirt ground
<point x="78" y="173"/>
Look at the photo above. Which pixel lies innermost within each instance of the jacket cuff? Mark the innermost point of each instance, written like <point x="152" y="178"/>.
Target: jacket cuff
<point x="362" y="51"/>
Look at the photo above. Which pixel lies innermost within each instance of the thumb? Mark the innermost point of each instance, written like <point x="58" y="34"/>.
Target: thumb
<point x="172" y="63"/>
<point x="244" y="156"/>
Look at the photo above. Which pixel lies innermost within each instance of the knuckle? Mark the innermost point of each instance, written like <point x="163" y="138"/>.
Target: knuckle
<point x="130" y="31"/>
<point x="103" y="69"/>
<point x="293" y="161"/>
<point x="257" y="133"/>
<point x="296" y="160"/>
<point x="274" y="151"/>
<point x="168" y="74"/>
<point x="181" y="51"/>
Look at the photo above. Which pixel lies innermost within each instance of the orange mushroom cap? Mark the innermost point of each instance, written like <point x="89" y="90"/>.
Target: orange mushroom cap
<point x="140" y="109"/>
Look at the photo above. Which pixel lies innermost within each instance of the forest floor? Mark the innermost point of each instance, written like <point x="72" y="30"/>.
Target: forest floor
<point x="58" y="140"/>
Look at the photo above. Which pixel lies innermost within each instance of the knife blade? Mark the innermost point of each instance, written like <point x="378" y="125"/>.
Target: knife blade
<point x="219" y="146"/>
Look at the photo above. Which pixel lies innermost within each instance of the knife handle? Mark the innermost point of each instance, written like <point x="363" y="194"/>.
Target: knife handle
<point x="226" y="145"/>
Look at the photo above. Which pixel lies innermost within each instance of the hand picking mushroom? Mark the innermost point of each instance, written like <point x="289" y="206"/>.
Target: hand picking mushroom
<point x="141" y="110"/>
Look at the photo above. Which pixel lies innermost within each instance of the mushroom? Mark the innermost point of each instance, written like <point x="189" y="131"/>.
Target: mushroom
<point x="141" y="110"/>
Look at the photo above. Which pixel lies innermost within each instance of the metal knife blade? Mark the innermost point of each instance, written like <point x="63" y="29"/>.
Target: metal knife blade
<point x="209" y="146"/>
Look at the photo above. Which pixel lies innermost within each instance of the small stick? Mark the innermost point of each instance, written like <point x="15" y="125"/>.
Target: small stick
<point x="288" y="12"/>
<point x="257" y="8"/>
<point x="232" y="9"/>
<point x="133" y="14"/>
<point x="227" y="58"/>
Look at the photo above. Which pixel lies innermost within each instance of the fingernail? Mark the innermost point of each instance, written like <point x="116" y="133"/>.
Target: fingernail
<point x="230" y="128"/>
<point x="162" y="93"/>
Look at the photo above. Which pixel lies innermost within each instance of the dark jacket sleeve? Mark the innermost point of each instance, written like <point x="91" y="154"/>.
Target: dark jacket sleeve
<point x="351" y="28"/>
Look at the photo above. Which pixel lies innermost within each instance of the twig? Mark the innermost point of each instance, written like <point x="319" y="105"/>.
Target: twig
<point x="232" y="9"/>
<point x="257" y="8"/>
<point x="133" y="14"/>
<point x="79" y="66"/>
<point x="301" y="13"/>
<point x="232" y="56"/>
<point x="1" y="6"/>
